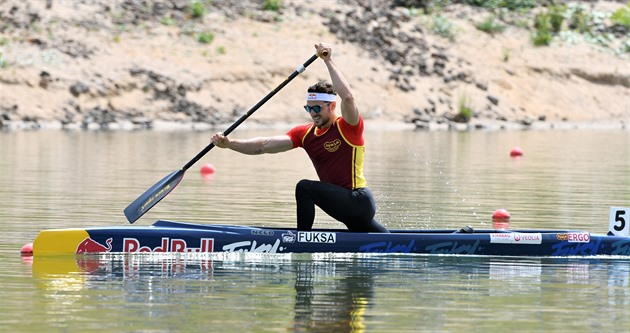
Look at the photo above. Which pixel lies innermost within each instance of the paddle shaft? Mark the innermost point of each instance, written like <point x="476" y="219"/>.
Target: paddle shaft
<point x="162" y="188"/>
<point x="295" y="73"/>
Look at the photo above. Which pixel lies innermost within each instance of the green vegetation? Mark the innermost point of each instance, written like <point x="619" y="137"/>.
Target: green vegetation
<point x="570" y="22"/>
<point x="542" y="36"/>
<point x="4" y="41"/>
<point x="465" y="110"/>
<point x="197" y="9"/>
<point x="440" y="25"/>
<point x="556" y="17"/>
<point x="513" y="5"/>
<point x="3" y="63"/>
<point x="221" y="50"/>
<point x="491" y="25"/>
<point x="621" y="16"/>
<point x="272" y="5"/>
<point x="167" y="21"/>
<point x="205" y="37"/>
<point x="579" y="18"/>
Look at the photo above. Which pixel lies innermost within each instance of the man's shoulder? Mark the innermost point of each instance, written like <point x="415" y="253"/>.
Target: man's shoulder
<point x="297" y="133"/>
<point x="299" y="129"/>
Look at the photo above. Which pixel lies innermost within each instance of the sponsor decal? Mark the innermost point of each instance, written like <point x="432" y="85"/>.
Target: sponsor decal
<point x="132" y="245"/>
<point x="262" y="232"/>
<point x="453" y="248"/>
<point x="574" y="237"/>
<point x="253" y="247"/>
<point x="155" y="196"/>
<point x="575" y="249"/>
<point x="89" y="245"/>
<point x="332" y="146"/>
<point x="516" y="238"/>
<point x="561" y="237"/>
<point x="289" y="237"/>
<point x="387" y="247"/>
<point x="317" y="237"/>
<point x="620" y="248"/>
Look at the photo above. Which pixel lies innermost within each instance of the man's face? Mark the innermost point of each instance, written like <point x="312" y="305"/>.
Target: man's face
<point x="320" y="112"/>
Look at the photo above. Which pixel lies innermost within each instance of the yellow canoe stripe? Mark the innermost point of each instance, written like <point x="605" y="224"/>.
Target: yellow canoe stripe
<point x="59" y="241"/>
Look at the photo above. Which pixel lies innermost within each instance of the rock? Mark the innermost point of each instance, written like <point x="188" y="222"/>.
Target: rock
<point x="44" y="79"/>
<point x="493" y="99"/>
<point x="78" y="89"/>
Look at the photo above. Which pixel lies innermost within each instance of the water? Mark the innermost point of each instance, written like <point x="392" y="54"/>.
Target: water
<point x="566" y="179"/>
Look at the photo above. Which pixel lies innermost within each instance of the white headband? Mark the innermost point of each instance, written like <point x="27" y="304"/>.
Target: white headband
<point x="312" y="96"/>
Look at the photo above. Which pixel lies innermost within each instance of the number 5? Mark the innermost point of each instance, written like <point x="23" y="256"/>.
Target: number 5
<point x="618" y="221"/>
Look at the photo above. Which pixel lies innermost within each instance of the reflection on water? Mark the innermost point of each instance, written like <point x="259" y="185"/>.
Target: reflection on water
<point x="444" y="180"/>
<point x="340" y="293"/>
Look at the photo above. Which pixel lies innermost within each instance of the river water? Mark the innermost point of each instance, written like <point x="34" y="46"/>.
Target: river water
<point x="566" y="179"/>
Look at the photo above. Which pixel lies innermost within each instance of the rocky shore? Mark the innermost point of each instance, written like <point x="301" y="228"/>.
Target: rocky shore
<point x="134" y="64"/>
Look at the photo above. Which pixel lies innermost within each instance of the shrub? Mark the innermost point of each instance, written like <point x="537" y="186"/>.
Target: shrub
<point x="542" y="36"/>
<point x="556" y="17"/>
<point x="621" y="16"/>
<point x="205" y="37"/>
<point x="579" y="19"/>
<point x="442" y="26"/>
<point x="272" y="5"/>
<point x="465" y="111"/>
<point x="197" y="9"/>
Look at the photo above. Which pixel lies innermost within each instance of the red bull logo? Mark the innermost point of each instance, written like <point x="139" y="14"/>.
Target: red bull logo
<point x="89" y="245"/>
<point x="133" y="245"/>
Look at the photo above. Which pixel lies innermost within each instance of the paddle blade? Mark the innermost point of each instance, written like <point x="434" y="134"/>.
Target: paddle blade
<point x="153" y="195"/>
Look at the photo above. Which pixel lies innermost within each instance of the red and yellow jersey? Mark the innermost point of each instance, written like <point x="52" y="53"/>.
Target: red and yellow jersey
<point x="337" y="152"/>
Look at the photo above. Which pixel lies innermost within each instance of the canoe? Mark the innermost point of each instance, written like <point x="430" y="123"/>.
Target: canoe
<point x="179" y="237"/>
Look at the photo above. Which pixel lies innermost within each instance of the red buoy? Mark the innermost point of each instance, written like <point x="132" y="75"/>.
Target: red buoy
<point x="501" y="219"/>
<point x="516" y="151"/>
<point x="27" y="250"/>
<point x="207" y="169"/>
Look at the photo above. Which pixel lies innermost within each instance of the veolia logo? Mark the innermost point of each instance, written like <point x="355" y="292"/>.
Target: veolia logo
<point x="332" y="146"/>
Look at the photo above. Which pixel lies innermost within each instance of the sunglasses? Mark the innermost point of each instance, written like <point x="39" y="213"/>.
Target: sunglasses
<point x="316" y="108"/>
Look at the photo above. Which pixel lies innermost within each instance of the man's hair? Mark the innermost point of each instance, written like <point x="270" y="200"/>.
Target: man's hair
<point x="322" y="87"/>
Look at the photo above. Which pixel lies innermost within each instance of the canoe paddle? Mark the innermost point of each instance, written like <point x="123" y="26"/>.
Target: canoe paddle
<point x="162" y="188"/>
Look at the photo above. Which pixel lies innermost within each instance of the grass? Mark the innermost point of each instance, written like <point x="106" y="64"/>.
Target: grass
<point x="465" y="111"/>
<point x="167" y="21"/>
<point x="3" y="63"/>
<point x="491" y="25"/>
<point x="513" y="5"/>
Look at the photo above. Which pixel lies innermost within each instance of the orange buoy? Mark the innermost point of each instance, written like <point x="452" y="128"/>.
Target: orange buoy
<point x="27" y="250"/>
<point x="501" y="219"/>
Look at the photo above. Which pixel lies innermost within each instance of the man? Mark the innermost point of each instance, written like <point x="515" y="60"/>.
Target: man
<point x="335" y="145"/>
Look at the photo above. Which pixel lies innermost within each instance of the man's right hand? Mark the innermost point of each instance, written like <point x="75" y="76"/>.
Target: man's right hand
<point x="220" y="140"/>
